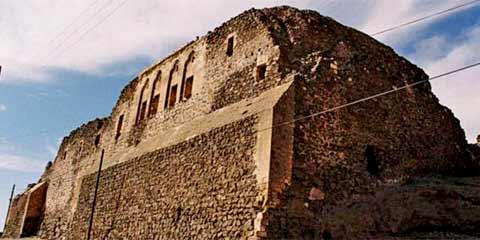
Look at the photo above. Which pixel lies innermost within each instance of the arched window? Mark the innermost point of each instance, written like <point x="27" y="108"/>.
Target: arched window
<point x="142" y="104"/>
<point x="155" y="95"/>
<point x="187" y="79"/>
<point x="119" y="127"/>
<point x="171" y="96"/>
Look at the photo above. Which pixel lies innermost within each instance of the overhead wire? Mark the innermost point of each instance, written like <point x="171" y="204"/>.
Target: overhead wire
<point x="57" y="49"/>
<point x="373" y="34"/>
<point x="94" y="26"/>
<point x="375" y="96"/>
<point x="425" y="18"/>
<point x="366" y="98"/>
<point x="71" y="24"/>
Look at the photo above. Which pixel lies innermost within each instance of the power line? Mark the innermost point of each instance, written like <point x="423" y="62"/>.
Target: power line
<point x="356" y="101"/>
<point x="64" y="30"/>
<point x="122" y="3"/>
<point x="95" y="26"/>
<point x="375" y="96"/>
<point x="58" y="46"/>
<point x="425" y="18"/>
<point x="374" y="34"/>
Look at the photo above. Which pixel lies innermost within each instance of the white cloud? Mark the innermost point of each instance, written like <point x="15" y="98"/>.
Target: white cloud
<point x="20" y="163"/>
<point x="458" y="91"/>
<point x="3" y="108"/>
<point x="11" y="160"/>
<point x="386" y="14"/>
<point x="152" y="28"/>
<point x="148" y="28"/>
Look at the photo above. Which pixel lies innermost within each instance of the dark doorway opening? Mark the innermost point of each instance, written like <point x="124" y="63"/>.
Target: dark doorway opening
<point x="35" y="210"/>
<point x="372" y="161"/>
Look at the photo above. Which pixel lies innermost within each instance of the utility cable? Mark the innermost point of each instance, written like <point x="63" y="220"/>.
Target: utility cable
<point x="425" y="18"/>
<point x="72" y="23"/>
<point x="359" y="100"/>
<point x="97" y="13"/>
<point x="374" y="34"/>
<point x="375" y="96"/>
<point x="95" y="26"/>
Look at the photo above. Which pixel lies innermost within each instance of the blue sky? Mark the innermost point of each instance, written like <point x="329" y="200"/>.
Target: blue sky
<point x="43" y="98"/>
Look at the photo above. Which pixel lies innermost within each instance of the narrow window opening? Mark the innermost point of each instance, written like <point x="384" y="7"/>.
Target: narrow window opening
<point x="154" y="97"/>
<point x="173" y="96"/>
<point x="327" y="235"/>
<point x="168" y="88"/>
<point x="188" y="88"/>
<point x="119" y="127"/>
<point x="65" y="155"/>
<point x="140" y="109"/>
<point x="372" y="162"/>
<point x="261" y="72"/>
<point x="143" y="109"/>
<point x="178" y="214"/>
<point x="154" y="105"/>
<point x="230" y="44"/>
<point x="97" y="140"/>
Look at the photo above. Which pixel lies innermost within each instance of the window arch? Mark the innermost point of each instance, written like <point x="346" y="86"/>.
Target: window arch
<point x="154" y="95"/>
<point x="171" y="95"/>
<point x="187" y="78"/>
<point x="142" y="104"/>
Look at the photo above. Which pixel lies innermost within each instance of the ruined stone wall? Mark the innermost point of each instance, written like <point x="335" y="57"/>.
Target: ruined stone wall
<point x="77" y="153"/>
<point x="202" y="185"/>
<point x="174" y="67"/>
<point x="13" y="228"/>
<point x="215" y="86"/>
<point x="352" y="151"/>
<point x="203" y="188"/>
<point x="35" y="210"/>
<point x="235" y="77"/>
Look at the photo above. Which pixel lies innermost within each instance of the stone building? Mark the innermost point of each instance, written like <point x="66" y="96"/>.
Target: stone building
<point x="202" y="144"/>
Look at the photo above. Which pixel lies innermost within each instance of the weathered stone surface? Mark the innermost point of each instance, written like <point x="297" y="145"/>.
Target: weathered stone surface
<point x="13" y="227"/>
<point x="26" y="212"/>
<point x="216" y="140"/>
<point x="430" y="207"/>
<point x="188" y="191"/>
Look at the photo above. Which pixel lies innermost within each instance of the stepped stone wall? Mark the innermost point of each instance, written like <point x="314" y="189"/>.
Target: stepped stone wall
<point x="201" y="188"/>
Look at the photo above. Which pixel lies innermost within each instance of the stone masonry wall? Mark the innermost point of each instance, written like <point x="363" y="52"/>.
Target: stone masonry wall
<point x="35" y="210"/>
<point x="192" y="189"/>
<point x="234" y="78"/>
<point x="212" y="89"/>
<point x="352" y="151"/>
<point x="203" y="188"/>
<point x="15" y="217"/>
<point x="64" y="177"/>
